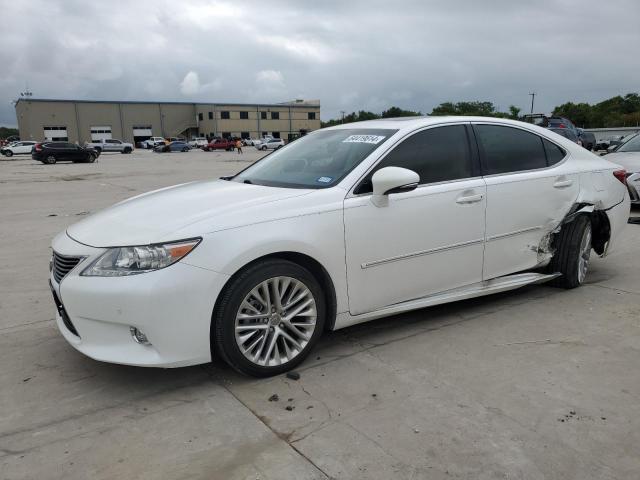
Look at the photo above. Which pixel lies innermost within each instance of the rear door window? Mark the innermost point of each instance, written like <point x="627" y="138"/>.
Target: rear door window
<point x="507" y="149"/>
<point x="437" y="154"/>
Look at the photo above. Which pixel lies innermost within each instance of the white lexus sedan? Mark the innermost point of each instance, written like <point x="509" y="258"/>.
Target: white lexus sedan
<point x="344" y="225"/>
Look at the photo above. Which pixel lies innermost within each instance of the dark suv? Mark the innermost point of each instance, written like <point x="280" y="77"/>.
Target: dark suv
<point x="52" y="152"/>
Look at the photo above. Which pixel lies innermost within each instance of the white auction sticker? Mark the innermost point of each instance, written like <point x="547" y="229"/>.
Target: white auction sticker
<point x="375" y="139"/>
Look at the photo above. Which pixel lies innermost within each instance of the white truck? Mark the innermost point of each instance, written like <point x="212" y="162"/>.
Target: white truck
<point x="154" y="142"/>
<point x="198" y="142"/>
<point x="110" y="145"/>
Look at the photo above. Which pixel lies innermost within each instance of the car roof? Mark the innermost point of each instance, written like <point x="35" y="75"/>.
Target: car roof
<point x="412" y="123"/>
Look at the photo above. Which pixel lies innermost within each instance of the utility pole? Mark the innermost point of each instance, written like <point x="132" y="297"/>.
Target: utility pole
<point x="342" y="112"/>
<point x="533" y="97"/>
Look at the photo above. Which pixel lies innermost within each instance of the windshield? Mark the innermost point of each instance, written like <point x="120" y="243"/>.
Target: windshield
<point x="631" y="145"/>
<point x="318" y="160"/>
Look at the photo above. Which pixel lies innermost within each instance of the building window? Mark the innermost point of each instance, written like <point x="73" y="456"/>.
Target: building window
<point x="244" y="115"/>
<point x="200" y="117"/>
<point x="263" y="115"/>
<point x="264" y="134"/>
<point x="226" y="134"/>
<point x="224" y="114"/>
<point x="212" y="135"/>
<point x="311" y="115"/>
<point x="275" y="116"/>
<point x="210" y="115"/>
<point x="275" y="134"/>
<point x="245" y="134"/>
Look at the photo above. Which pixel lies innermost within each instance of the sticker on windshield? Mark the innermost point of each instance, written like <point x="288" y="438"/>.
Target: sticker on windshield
<point x="324" y="179"/>
<point x="374" y="139"/>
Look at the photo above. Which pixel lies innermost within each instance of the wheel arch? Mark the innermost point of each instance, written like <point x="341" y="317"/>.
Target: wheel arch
<point x="304" y="260"/>
<point x="600" y="225"/>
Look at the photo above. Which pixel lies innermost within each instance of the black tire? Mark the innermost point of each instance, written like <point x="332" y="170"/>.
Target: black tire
<point x="50" y="160"/>
<point x="8" y="153"/>
<point x="223" y="339"/>
<point x="566" y="259"/>
<point x="127" y="150"/>
<point x="185" y="149"/>
<point x="263" y="148"/>
<point x="91" y="158"/>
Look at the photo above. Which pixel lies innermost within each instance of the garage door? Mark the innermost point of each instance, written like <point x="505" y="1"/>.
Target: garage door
<point x="56" y="134"/>
<point x="142" y="131"/>
<point x="101" y="132"/>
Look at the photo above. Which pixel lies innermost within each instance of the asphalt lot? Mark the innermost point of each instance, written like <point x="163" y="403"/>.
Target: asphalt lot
<point x="539" y="383"/>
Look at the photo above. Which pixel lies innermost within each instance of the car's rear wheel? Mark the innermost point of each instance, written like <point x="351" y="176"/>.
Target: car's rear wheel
<point x="50" y="160"/>
<point x="573" y="251"/>
<point x="268" y="318"/>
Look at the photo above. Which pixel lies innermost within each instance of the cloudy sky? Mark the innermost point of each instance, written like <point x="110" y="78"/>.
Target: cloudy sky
<point x="356" y="54"/>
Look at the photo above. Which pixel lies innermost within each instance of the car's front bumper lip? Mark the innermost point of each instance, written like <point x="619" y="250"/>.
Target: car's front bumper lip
<point x="172" y="306"/>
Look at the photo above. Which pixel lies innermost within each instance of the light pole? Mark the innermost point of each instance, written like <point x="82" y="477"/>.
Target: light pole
<point x="533" y="97"/>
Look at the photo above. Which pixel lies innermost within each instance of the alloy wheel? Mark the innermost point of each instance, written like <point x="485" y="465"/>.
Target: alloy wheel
<point x="585" y="253"/>
<point x="275" y="321"/>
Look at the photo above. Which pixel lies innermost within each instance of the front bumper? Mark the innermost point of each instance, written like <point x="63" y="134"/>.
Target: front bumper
<point x="171" y="306"/>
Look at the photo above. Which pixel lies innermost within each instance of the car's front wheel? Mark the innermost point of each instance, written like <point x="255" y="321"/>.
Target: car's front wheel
<point x="268" y="318"/>
<point x="573" y="251"/>
<point x="8" y="153"/>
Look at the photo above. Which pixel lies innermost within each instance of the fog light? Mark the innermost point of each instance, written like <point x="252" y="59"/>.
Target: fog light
<point x="139" y="337"/>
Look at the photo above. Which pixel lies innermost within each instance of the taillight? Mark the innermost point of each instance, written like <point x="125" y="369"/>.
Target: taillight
<point x="562" y="125"/>
<point x="621" y="175"/>
<point x="38" y="147"/>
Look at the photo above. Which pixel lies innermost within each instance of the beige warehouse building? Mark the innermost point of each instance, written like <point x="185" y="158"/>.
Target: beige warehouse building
<point x="84" y="120"/>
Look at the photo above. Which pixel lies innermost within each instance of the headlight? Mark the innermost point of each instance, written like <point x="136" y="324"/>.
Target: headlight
<point x="121" y="261"/>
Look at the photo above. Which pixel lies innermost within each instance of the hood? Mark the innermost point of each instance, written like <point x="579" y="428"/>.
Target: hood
<point x="153" y="217"/>
<point x="629" y="160"/>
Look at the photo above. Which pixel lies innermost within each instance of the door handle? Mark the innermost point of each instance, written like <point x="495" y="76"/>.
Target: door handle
<point x="469" y="199"/>
<point x="563" y="184"/>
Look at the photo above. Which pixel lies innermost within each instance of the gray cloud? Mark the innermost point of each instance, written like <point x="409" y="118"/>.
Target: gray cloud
<point x="351" y="55"/>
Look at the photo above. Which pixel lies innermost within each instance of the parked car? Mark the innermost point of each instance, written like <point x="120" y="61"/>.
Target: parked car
<point x="271" y="144"/>
<point x="53" y="152"/>
<point x="174" y="139"/>
<point x="17" y="148"/>
<point x="110" y="145"/>
<point x="154" y="141"/>
<point x="628" y="156"/>
<point x="248" y="142"/>
<point x="220" y="144"/>
<point x="588" y="139"/>
<point x="614" y="145"/>
<point x="198" y="142"/>
<point x="402" y="214"/>
<point x="172" y="147"/>
<point x="568" y="134"/>
<point x="605" y="143"/>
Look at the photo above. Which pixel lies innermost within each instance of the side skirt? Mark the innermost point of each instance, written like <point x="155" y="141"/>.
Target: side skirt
<point x="495" y="285"/>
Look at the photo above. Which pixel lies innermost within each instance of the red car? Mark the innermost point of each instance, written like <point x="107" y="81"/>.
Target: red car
<point x="220" y="144"/>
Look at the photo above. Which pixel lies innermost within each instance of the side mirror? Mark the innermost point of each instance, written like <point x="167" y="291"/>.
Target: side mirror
<point x="390" y="180"/>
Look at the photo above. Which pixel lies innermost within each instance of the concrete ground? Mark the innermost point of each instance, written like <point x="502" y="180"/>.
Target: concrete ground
<point x="538" y="383"/>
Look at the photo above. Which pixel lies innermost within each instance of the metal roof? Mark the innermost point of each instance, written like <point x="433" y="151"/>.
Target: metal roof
<point x="146" y="102"/>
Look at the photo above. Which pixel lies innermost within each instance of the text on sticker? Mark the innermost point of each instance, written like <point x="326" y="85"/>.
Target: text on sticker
<point x="364" y="139"/>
